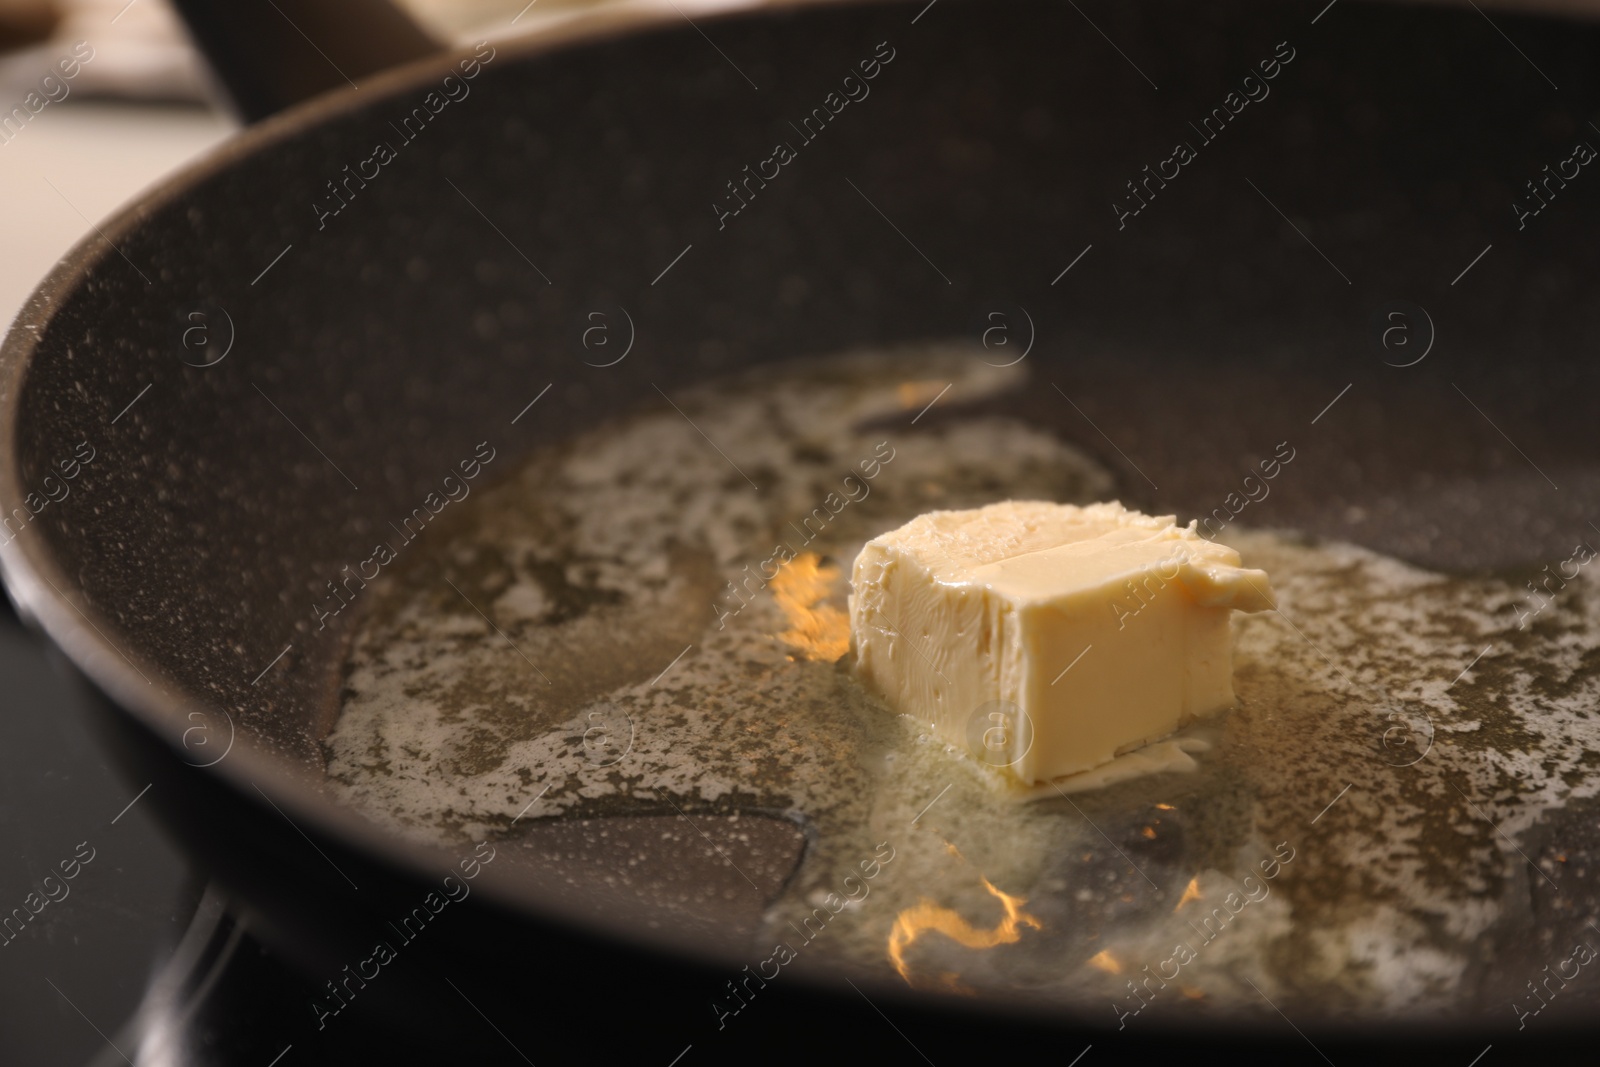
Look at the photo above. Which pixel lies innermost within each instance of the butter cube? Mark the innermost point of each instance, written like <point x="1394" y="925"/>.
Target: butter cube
<point x="1047" y="639"/>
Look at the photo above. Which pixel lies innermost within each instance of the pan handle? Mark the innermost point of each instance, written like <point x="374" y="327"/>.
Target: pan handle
<point x="269" y="54"/>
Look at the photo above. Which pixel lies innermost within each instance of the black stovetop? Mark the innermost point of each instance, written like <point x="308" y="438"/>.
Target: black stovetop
<point x="75" y="970"/>
<point x="136" y="957"/>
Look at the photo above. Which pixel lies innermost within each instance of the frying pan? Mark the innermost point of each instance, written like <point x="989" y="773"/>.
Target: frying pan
<point x="357" y="336"/>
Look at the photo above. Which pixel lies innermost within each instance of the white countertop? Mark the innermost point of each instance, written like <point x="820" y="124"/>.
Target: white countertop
<point x="73" y="165"/>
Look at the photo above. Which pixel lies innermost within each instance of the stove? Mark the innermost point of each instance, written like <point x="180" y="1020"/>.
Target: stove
<point x="114" y="947"/>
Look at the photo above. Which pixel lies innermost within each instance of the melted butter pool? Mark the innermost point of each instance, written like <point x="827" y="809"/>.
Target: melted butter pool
<point x="667" y="630"/>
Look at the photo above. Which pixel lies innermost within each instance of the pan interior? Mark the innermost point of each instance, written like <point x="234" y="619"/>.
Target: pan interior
<point x="639" y="623"/>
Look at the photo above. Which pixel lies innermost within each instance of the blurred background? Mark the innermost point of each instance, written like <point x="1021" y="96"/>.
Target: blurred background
<point x="142" y="107"/>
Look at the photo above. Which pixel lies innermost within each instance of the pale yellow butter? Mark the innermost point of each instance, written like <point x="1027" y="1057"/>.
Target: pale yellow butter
<point x="1048" y="638"/>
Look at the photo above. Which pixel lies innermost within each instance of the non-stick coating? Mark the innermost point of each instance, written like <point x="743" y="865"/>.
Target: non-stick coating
<point x="373" y="349"/>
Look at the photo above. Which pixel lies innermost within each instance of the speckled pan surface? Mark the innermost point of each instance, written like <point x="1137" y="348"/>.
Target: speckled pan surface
<point x="374" y="349"/>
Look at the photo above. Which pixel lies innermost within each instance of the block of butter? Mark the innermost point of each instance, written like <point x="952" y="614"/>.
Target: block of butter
<point x="1047" y="639"/>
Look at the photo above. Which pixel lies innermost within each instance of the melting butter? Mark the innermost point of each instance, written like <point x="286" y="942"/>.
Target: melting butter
<point x="603" y="558"/>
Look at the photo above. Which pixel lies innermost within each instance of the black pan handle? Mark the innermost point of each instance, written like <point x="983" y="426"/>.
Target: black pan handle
<point x="269" y="54"/>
